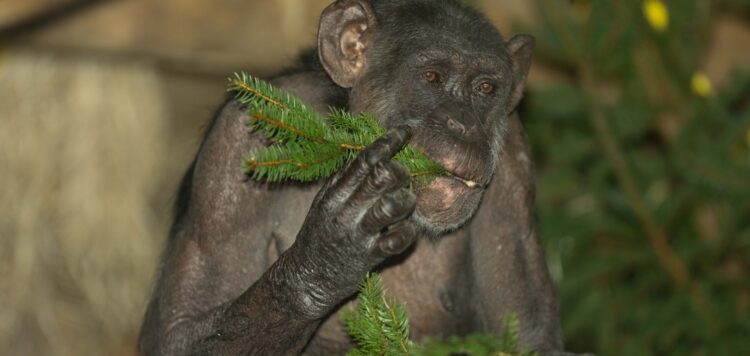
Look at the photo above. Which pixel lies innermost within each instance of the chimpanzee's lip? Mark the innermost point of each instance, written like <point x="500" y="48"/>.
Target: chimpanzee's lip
<point x="452" y="170"/>
<point x="469" y="183"/>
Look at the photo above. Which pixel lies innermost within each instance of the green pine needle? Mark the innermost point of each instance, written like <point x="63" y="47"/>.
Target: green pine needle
<point x="309" y="146"/>
<point x="381" y="327"/>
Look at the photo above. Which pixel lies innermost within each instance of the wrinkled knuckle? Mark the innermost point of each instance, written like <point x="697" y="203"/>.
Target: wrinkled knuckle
<point x="404" y="196"/>
<point x="373" y="220"/>
<point x="386" y="172"/>
<point x="371" y="156"/>
<point x="390" y="207"/>
<point x="391" y="245"/>
<point x="398" y="239"/>
<point x="370" y="226"/>
<point x="330" y="199"/>
<point x="380" y="214"/>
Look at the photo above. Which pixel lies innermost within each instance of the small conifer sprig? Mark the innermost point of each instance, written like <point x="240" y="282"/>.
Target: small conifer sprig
<point x="309" y="145"/>
<point x="381" y="327"/>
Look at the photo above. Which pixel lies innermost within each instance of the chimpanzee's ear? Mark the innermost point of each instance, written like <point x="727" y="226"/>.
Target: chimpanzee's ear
<point x="344" y="37"/>
<point x="520" y="48"/>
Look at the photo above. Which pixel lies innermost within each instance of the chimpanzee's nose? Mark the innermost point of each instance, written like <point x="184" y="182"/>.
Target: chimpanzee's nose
<point x="455" y="121"/>
<point x="461" y="127"/>
<point x="456" y="126"/>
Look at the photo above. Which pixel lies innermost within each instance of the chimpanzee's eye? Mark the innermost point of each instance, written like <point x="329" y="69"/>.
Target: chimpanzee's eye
<point x="431" y="76"/>
<point x="486" y="88"/>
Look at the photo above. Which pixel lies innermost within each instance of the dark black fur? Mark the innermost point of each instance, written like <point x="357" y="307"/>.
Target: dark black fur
<point x="254" y="268"/>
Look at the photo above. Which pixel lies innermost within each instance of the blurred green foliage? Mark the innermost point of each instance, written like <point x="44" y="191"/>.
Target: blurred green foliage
<point x="643" y="180"/>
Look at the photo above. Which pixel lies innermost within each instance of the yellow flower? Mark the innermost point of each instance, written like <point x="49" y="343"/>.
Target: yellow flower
<point x="701" y="84"/>
<point x="657" y="14"/>
<point x="747" y="137"/>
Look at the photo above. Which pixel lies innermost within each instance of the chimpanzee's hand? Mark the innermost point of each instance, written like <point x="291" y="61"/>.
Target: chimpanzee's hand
<point x="361" y="212"/>
<point x="357" y="219"/>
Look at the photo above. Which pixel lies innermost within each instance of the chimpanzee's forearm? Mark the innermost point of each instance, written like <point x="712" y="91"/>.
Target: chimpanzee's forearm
<point x="277" y="315"/>
<point x="268" y="319"/>
<point x="272" y="317"/>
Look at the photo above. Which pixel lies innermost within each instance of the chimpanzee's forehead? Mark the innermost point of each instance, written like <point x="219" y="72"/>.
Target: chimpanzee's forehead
<point x="411" y="26"/>
<point x="459" y="47"/>
<point x="430" y="44"/>
<point x="439" y="54"/>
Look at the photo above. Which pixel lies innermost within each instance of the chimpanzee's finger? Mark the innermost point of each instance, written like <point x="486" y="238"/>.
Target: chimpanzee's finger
<point x="382" y="149"/>
<point x="391" y="208"/>
<point x="387" y="146"/>
<point x="387" y="176"/>
<point x="397" y="239"/>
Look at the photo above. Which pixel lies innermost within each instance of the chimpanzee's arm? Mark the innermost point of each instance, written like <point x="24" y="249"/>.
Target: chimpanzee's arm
<point x="507" y="257"/>
<point x="217" y="250"/>
<point x="214" y="296"/>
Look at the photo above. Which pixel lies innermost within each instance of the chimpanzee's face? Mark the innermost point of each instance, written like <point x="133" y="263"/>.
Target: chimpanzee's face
<point x="455" y="95"/>
<point x="440" y="68"/>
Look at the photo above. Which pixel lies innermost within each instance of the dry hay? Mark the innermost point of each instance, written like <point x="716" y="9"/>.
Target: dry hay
<point x="81" y="144"/>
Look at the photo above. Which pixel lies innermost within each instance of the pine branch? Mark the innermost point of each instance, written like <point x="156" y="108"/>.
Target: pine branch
<point x="309" y="146"/>
<point x="381" y="327"/>
<point x="378" y="327"/>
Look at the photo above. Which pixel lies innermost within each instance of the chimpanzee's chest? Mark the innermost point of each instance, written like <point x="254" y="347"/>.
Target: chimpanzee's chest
<point x="431" y="280"/>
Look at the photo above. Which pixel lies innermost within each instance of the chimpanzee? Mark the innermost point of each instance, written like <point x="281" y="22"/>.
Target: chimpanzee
<point x="264" y="269"/>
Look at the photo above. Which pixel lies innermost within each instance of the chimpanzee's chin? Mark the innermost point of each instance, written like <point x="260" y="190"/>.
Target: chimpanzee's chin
<point x="445" y="205"/>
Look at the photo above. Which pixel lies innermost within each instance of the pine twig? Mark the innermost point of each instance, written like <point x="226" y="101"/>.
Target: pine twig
<point x="377" y="326"/>
<point x="381" y="327"/>
<point x="308" y="145"/>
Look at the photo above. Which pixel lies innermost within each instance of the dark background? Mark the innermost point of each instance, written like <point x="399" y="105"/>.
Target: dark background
<point x="643" y="172"/>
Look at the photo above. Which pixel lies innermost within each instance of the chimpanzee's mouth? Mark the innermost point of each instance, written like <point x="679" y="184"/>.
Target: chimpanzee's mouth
<point x="468" y="170"/>
<point x="446" y="203"/>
